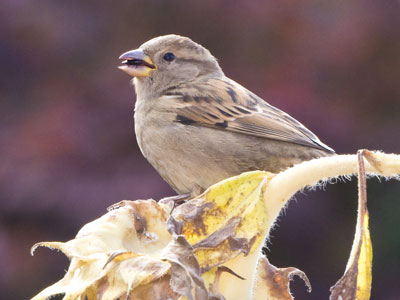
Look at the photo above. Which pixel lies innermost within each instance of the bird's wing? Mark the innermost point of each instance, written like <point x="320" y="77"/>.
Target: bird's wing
<point x="226" y="105"/>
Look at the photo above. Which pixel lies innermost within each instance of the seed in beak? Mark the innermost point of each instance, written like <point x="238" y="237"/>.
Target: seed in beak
<point x="134" y="62"/>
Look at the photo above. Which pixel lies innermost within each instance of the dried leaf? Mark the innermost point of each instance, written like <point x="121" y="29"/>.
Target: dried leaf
<point x="272" y="283"/>
<point x="186" y="277"/>
<point x="228" y="219"/>
<point x="356" y="281"/>
<point x="214" y="286"/>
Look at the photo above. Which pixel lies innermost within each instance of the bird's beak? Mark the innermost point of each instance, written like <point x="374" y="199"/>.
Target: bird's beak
<point x="136" y="63"/>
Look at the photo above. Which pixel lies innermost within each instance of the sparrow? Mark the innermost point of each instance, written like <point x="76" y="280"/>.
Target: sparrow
<point x="197" y="127"/>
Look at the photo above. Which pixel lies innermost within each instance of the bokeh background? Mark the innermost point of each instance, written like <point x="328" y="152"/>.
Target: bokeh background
<point x="67" y="145"/>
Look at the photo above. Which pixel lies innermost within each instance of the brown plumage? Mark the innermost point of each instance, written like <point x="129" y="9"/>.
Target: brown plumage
<point x="196" y="126"/>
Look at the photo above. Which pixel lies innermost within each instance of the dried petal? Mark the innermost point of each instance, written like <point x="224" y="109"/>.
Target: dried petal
<point x="115" y="254"/>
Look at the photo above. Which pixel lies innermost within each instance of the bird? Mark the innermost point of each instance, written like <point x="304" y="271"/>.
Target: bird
<point x="197" y="127"/>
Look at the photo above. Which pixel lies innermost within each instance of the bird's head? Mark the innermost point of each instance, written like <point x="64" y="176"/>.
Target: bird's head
<point x="168" y="61"/>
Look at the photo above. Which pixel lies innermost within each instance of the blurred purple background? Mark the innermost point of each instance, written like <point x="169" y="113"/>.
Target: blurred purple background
<point x="68" y="149"/>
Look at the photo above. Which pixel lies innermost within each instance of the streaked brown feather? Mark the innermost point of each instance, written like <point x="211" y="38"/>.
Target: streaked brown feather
<point x="224" y="104"/>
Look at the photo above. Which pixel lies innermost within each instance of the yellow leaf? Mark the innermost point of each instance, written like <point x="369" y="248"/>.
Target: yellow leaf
<point x="228" y="219"/>
<point x="364" y="278"/>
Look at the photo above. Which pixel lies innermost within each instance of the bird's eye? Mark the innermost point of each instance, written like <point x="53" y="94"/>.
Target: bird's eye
<point x="169" y="56"/>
